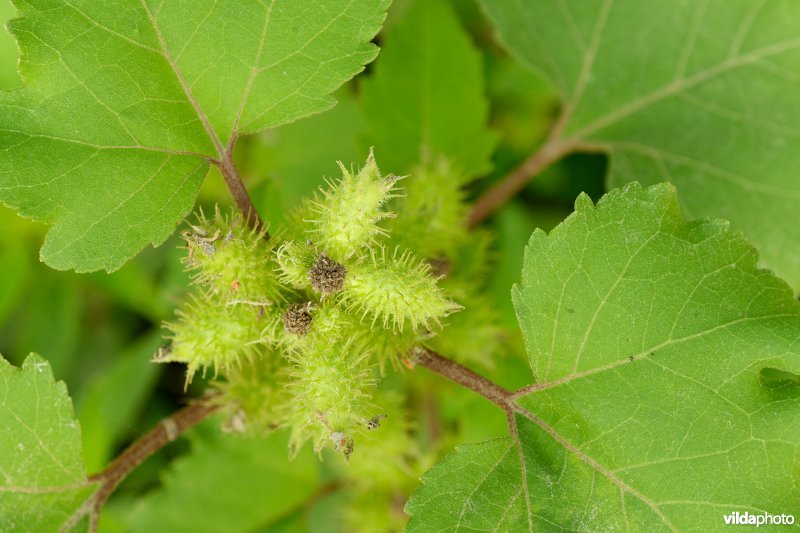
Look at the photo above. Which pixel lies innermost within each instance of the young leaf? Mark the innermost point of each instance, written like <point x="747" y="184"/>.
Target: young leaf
<point x="126" y="103"/>
<point x="647" y="336"/>
<point x="709" y="105"/>
<point x="43" y="485"/>
<point x="426" y="98"/>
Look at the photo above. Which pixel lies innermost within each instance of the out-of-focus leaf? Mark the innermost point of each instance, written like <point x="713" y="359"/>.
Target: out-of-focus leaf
<point x="426" y="98"/>
<point x="109" y="402"/>
<point x="134" y="288"/>
<point x="709" y="104"/>
<point x="14" y="273"/>
<point x="48" y="320"/>
<point x="229" y="483"/>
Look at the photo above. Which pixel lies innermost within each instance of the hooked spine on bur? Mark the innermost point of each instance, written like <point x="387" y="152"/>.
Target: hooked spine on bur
<point x="314" y="318"/>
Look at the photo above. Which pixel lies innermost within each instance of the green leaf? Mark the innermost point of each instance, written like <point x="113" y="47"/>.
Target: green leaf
<point x="8" y="50"/>
<point x="127" y="102"/>
<point x="228" y="483"/>
<point x="647" y="336"/>
<point x="710" y="105"/>
<point x="426" y="98"/>
<point x="43" y="485"/>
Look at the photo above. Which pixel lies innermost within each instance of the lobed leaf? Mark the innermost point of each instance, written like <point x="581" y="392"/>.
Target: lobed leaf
<point x="43" y="485"/>
<point x="126" y="103"/>
<point x="701" y="94"/>
<point x="655" y="344"/>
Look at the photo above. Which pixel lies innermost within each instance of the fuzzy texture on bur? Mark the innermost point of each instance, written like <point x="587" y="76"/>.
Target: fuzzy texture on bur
<point x="346" y="218"/>
<point x="397" y="291"/>
<point x="301" y="329"/>
<point x="431" y="213"/>
<point x="327" y="276"/>
<point x="211" y="332"/>
<point x="331" y="386"/>
<point x="251" y="394"/>
<point x="231" y="259"/>
<point x="295" y="260"/>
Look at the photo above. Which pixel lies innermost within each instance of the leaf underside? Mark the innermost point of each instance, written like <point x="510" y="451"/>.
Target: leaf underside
<point x="648" y="337"/>
<point x="126" y="103"/>
<point x="709" y="104"/>
<point x="43" y="485"/>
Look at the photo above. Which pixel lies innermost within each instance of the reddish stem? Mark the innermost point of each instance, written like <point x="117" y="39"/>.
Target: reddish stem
<point x="165" y="432"/>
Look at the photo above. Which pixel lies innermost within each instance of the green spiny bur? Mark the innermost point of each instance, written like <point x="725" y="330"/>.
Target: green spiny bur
<point x="231" y="259"/>
<point x="213" y="332"/>
<point x="301" y="330"/>
<point x="431" y="213"/>
<point x="294" y="260"/>
<point x="396" y="290"/>
<point x="346" y="219"/>
<point x="252" y="393"/>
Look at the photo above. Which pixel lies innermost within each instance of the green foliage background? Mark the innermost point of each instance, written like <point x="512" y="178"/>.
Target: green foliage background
<point x="99" y="331"/>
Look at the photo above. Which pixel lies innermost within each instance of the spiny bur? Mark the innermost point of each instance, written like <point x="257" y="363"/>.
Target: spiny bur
<point x="301" y="330"/>
<point x="211" y="332"/>
<point x="397" y="290"/>
<point x="346" y="219"/>
<point x="230" y="259"/>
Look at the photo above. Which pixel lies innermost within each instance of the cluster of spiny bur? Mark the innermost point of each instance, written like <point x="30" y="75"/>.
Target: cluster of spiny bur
<point x="301" y="328"/>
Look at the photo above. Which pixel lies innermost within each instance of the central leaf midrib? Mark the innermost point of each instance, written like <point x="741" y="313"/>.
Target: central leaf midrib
<point x="585" y="458"/>
<point x="218" y="146"/>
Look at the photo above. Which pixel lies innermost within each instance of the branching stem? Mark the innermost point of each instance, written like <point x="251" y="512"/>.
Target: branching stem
<point x="554" y="148"/>
<point x="515" y="181"/>
<point x="238" y="191"/>
<point x="165" y="432"/>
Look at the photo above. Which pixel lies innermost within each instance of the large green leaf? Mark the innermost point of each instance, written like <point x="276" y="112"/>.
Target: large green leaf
<point x="699" y="93"/>
<point x="126" y="103"/>
<point x="648" y="336"/>
<point x="43" y="485"/>
<point x="426" y="98"/>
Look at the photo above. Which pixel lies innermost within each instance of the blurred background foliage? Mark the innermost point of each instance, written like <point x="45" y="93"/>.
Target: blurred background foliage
<point x="100" y="330"/>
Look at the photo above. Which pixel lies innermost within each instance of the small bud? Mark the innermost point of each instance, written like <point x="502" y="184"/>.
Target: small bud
<point x="327" y="276"/>
<point x="297" y="319"/>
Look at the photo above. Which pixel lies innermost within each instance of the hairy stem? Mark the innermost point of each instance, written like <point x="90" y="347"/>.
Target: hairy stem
<point x="515" y="181"/>
<point x="165" y="432"/>
<point x="465" y="377"/>
<point x="239" y="192"/>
